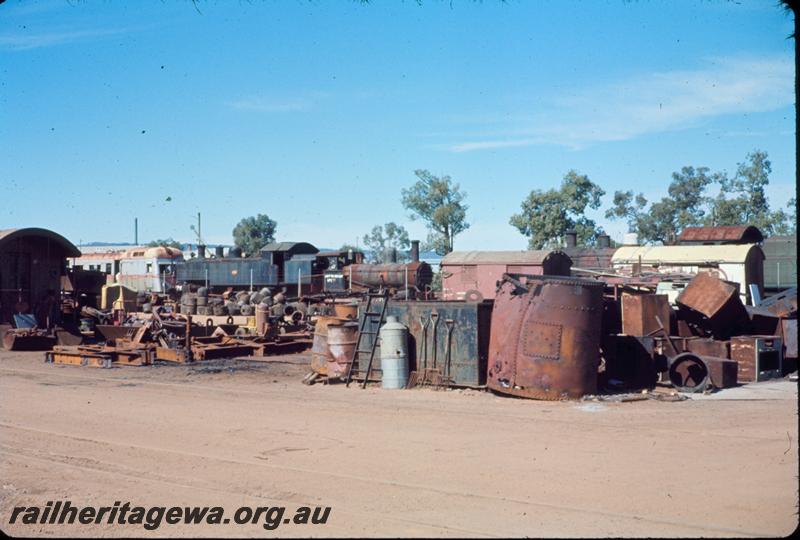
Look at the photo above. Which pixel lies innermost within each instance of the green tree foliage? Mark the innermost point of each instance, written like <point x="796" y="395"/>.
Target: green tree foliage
<point x="440" y="203"/>
<point x="743" y="199"/>
<point x="167" y="242"/>
<point x="253" y="233"/>
<point x="792" y="215"/>
<point x="547" y="215"/>
<point x="386" y="237"/>
<point x="684" y="206"/>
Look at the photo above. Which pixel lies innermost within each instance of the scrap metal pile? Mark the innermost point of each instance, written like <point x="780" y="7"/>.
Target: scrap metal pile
<point x="555" y="338"/>
<point x="711" y="340"/>
<point x="163" y="335"/>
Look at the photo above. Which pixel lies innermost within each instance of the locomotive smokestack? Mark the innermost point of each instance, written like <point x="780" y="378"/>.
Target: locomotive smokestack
<point x="219" y="252"/>
<point x="201" y="251"/>
<point x="603" y="241"/>
<point x="415" y="251"/>
<point x="571" y="239"/>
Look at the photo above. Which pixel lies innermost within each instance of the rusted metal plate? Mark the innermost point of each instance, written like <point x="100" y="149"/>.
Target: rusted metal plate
<point x="639" y="313"/>
<point x="709" y="347"/>
<point x="759" y="357"/>
<point x="545" y="339"/>
<point x="713" y="306"/>
<point x="783" y="304"/>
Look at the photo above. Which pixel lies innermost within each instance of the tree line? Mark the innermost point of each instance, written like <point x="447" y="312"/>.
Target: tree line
<point x="546" y="215"/>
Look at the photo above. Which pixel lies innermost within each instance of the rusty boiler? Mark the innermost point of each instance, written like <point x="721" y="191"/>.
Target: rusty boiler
<point x="392" y="275"/>
<point x="545" y="338"/>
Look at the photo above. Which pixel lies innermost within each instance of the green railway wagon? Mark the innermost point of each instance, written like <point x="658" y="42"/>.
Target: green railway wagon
<point x="780" y="263"/>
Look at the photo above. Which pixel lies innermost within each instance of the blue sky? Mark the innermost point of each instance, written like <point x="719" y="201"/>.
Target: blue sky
<point x="318" y="112"/>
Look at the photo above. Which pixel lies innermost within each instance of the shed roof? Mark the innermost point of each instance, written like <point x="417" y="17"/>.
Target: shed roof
<point x="8" y="235"/>
<point x="499" y="257"/>
<point x="742" y="234"/>
<point x="687" y="254"/>
<point x="294" y="247"/>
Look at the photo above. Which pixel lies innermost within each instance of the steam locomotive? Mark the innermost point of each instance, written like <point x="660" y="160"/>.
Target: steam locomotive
<point x="301" y="269"/>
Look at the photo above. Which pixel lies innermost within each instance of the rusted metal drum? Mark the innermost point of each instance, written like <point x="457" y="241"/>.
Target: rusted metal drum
<point x="389" y="275"/>
<point x="545" y="338"/>
<point x="342" y="339"/>
<point x="320" y="350"/>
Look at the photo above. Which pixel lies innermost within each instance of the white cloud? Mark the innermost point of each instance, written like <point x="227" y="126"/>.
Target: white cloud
<point x="21" y="42"/>
<point x="262" y="104"/>
<point x="652" y="103"/>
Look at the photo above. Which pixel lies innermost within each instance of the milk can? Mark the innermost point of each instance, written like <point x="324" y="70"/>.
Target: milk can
<point x="394" y="353"/>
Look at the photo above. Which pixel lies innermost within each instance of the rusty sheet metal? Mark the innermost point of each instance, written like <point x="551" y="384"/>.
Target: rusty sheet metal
<point x="545" y="339"/>
<point x="783" y="304"/>
<point x="342" y="338"/>
<point x="389" y="275"/>
<point x="733" y="234"/>
<point x="708" y="347"/>
<point x="712" y="306"/>
<point x="320" y="351"/>
<point x="759" y="357"/>
<point x="639" y="313"/>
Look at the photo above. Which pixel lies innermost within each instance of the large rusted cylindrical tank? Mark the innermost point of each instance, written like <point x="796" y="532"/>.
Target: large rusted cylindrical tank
<point x="545" y="338"/>
<point x="389" y="275"/>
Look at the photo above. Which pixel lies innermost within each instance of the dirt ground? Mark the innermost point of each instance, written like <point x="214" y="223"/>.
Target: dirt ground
<point x="390" y="463"/>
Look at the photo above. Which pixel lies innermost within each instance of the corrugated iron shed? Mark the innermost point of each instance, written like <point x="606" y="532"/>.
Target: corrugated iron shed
<point x="732" y="234"/>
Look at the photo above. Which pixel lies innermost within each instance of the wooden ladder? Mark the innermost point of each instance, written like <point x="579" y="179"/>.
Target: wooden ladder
<point x="369" y="317"/>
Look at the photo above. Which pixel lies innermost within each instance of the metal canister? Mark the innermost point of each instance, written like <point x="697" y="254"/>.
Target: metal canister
<point x="346" y="311"/>
<point x="545" y="337"/>
<point x="394" y="354"/>
<point x="342" y="338"/>
<point x="262" y="318"/>
<point x="320" y="350"/>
